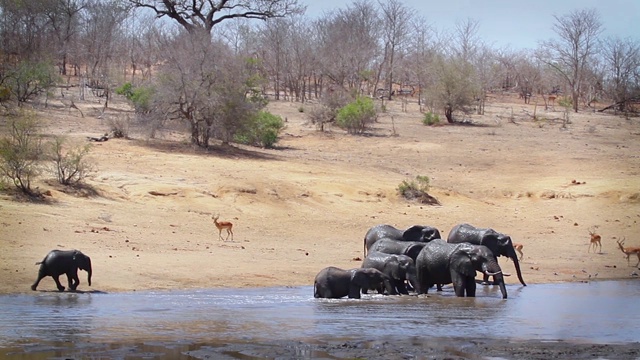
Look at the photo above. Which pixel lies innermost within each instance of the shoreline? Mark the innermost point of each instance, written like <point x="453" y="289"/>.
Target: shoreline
<point x="339" y="348"/>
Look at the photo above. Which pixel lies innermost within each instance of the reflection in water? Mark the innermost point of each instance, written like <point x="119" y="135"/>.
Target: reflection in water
<point x="594" y="312"/>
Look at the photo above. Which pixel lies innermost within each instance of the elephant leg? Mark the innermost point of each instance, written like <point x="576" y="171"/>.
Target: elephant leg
<point x="60" y="287"/>
<point x="401" y="287"/>
<point x="354" y="292"/>
<point x="459" y="286"/>
<point x="35" y="284"/>
<point x="438" y="287"/>
<point x="485" y="280"/>
<point x="470" y="286"/>
<point x="73" y="280"/>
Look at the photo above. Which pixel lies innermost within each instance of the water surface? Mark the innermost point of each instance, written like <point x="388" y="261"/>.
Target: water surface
<point x="602" y="312"/>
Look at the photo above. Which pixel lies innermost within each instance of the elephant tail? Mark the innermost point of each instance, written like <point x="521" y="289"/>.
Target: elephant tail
<point x="364" y="247"/>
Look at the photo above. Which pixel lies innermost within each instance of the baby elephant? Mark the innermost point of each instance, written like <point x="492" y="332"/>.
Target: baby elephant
<point x="58" y="262"/>
<point x="400" y="268"/>
<point x="333" y="282"/>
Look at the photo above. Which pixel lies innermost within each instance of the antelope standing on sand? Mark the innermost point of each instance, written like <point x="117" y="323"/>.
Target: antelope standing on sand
<point x="595" y="241"/>
<point x="223" y="225"/>
<point x="629" y="250"/>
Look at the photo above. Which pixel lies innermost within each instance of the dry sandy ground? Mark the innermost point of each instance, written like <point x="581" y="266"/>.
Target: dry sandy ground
<point x="307" y="204"/>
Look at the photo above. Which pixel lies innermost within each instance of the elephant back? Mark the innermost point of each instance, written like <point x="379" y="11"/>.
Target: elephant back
<point x="396" y="247"/>
<point x="435" y="253"/>
<point x="380" y="232"/>
<point x="421" y="233"/>
<point x="466" y="233"/>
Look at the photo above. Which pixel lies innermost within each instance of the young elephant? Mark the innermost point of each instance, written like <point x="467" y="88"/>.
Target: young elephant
<point x="400" y="268"/>
<point x="442" y="263"/>
<point x="58" y="262"/>
<point x="333" y="282"/>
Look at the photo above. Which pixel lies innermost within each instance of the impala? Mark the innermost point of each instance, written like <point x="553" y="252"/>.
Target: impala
<point x="629" y="250"/>
<point x="223" y="225"/>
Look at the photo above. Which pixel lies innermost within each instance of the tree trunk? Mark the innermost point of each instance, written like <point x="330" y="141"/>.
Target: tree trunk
<point x="448" y="113"/>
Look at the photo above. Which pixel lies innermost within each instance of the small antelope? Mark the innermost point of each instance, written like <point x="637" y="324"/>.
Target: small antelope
<point x="595" y="241"/>
<point x="223" y="225"/>
<point x="629" y="250"/>
<point x="518" y="248"/>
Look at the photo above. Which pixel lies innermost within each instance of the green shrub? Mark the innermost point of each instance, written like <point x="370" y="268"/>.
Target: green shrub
<point x="262" y="130"/>
<point x="417" y="190"/>
<point x="357" y="115"/>
<point x="20" y="152"/>
<point x="140" y="96"/>
<point x="28" y="79"/>
<point x="70" y="164"/>
<point x="431" y="119"/>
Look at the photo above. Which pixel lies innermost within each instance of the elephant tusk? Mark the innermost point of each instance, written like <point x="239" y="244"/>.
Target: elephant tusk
<point x="492" y="274"/>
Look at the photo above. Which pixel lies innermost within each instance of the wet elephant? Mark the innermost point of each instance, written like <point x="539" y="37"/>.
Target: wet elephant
<point x="417" y="233"/>
<point x="58" y="262"/>
<point x="333" y="282"/>
<point x="499" y="244"/>
<point x="395" y="247"/>
<point x="440" y="262"/>
<point x="400" y="268"/>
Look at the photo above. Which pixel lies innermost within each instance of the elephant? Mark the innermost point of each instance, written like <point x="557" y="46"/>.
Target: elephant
<point x="417" y="233"/>
<point x="440" y="262"/>
<point x="58" y="262"/>
<point x="334" y="283"/>
<point x="399" y="268"/>
<point x="499" y="244"/>
<point x="396" y="247"/>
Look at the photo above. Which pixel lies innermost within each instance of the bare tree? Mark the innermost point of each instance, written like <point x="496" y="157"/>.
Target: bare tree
<point x="347" y="42"/>
<point x="569" y="55"/>
<point x="64" y="17"/>
<point x="465" y="39"/>
<point x="486" y="71"/>
<point x="423" y="47"/>
<point x="194" y="15"/>
<point x="396" y="25"/>
<point x="204" y="86"/>
<point x="621" y="59"/>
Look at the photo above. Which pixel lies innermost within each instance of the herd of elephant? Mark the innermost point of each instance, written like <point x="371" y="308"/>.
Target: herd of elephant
<point x="417" y="258"/>
<point x="395" y="262"/>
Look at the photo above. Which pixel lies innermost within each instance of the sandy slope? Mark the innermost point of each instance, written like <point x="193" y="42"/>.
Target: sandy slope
<point x="308" y="204"/>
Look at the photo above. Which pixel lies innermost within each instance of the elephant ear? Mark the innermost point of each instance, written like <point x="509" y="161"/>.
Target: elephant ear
<point x="414" y="233"/>
<point x="461" y="262"/>
<point x="504" y="240"/>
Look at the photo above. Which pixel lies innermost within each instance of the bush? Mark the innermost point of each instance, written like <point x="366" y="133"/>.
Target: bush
<point x="119" y="126"/>
<point x="70" y="165"/>
<point x="417" y="190"/>
<point x="263" y="130"/>
<point x="140" y="96"/>
<point x="357" y="115"/>
<point x="21" y="152"/>
<point x="431" y="119"/>
<point x="29" y="79"/>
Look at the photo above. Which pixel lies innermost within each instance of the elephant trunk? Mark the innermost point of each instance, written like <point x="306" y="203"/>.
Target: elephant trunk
<point x="492" y="268"/>
<point x="413" y="280"/>
<point x="503" y="288"/>
<point x="514" y="257"/>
